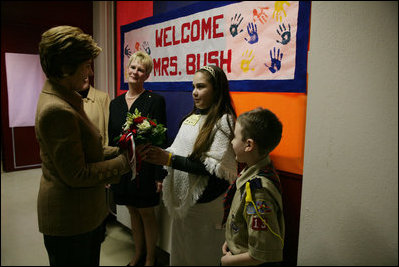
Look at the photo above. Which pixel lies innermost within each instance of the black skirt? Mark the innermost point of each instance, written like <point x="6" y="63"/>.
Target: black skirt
<point x="139" y="193"/>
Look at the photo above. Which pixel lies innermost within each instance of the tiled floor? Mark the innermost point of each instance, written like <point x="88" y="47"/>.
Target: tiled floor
<point x="22" y="243"/>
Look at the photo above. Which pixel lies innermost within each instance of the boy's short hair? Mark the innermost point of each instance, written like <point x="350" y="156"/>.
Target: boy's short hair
<point x="142" y="58"/>
<point x="263" y="127"/>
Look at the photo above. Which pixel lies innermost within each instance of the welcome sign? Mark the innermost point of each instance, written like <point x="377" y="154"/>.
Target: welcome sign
<point x="261" y="46"/>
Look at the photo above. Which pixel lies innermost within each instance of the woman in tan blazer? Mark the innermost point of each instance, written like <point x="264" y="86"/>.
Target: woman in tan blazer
<point x="76" y="167"/>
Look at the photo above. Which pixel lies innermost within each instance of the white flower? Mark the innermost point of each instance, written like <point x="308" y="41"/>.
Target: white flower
<point x="126" y="126"/>
<point x="144" y="126"/>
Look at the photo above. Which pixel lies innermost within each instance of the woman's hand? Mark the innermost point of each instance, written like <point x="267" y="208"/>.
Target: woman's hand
<point x="158" y="185"/>
<point x="157" y="156"/>
<point x="128" y="155"/>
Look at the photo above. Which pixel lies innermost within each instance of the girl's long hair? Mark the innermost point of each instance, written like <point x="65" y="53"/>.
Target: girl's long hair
<point x="221" y="104"/>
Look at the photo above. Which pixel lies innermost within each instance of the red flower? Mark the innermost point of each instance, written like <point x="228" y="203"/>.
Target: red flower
<point x="152" y="123"/>
<point x="139" y="120"/>
<point x="124" y="141"/>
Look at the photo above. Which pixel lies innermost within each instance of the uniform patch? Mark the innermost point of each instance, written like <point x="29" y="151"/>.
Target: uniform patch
<point x="258" y="225"/>
<point x="261" y="205"/>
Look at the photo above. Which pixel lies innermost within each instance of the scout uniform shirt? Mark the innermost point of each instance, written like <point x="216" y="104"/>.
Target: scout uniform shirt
<point x="245" y="231"/>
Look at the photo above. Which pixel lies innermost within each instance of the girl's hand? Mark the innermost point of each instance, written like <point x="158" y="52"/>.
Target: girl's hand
<point x="157" y="156"/>
<point x="142" y="150"/>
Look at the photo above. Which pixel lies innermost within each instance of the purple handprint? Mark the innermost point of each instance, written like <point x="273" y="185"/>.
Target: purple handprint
<point x="253" y="34"/>
<point x="276" y="60"/>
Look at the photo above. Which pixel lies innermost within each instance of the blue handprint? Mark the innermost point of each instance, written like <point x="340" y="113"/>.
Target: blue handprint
<point x="276" y="60"/>
<point x="127" y="51"/>
<point x="234" y="25"/>
<point x="252" y="31"/>
<point x="285" y="36"/>
<point x="146" y="47"/>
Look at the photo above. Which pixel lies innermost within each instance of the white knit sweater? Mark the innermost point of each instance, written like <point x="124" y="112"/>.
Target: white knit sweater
<point x="181" y="190"/>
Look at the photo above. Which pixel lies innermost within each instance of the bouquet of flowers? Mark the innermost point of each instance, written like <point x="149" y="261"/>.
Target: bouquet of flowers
<point x="139" y="130"/>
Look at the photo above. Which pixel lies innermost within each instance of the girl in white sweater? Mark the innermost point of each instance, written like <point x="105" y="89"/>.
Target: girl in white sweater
<point x="200" y="165"/>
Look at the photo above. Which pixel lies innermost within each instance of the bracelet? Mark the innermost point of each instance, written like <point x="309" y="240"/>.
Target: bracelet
<point x="169" y="160"/>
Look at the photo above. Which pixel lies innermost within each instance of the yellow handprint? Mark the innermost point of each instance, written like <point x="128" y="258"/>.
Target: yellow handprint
<point x="278" y="7"/>
<point x="245" y="62"/>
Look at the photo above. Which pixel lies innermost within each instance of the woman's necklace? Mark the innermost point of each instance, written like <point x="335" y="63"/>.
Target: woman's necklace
<point x="133" y="97"/>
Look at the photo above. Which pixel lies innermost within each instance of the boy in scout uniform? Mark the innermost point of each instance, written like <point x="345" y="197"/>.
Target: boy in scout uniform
<point x="253" y="203"/>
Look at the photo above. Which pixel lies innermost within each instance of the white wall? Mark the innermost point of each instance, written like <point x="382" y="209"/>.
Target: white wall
<point x="349" y="210"/>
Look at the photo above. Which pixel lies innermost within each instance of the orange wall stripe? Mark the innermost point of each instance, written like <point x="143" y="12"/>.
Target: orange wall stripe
<point x="290" y="108"/>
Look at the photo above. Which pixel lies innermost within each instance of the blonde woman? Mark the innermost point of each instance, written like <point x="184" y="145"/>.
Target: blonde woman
<point x="143" y="193"/>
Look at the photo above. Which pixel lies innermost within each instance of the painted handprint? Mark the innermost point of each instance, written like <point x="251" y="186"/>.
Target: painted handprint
<point x="285" y="35"/>
<point x="245" y="62"/>
<point x="278" y="7"/>
<point x="260" y="14"/>
<point x="275" y="60"/>
<point x="127" y="51"/>
<point x="146" y="47"/>
<point x="234" y="25"/>
<point x="253" y="33"/>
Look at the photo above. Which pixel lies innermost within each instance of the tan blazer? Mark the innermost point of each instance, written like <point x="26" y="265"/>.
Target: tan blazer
<point x="96" y="106"/>
<point x="71" y="196"/>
